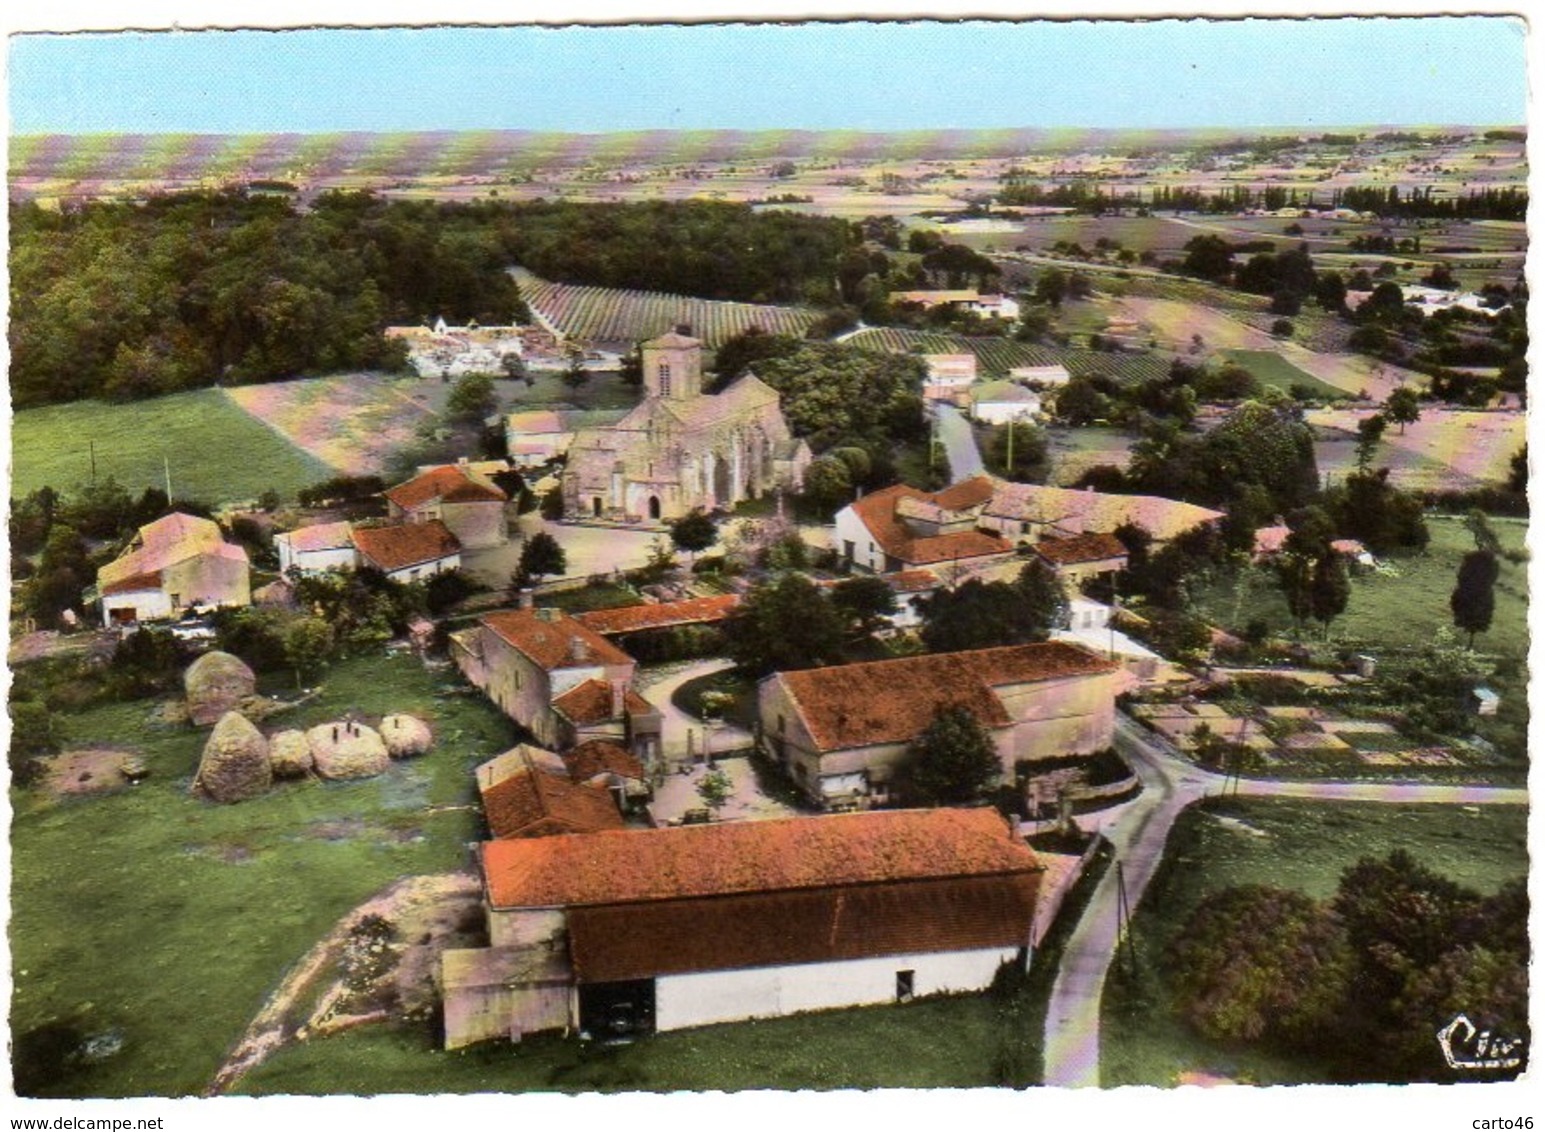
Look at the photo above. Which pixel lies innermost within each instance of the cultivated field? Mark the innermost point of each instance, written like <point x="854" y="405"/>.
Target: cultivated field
<point x="613" y="315"/>
<point x="216" y="452"/>
<point x="1444" y="450"/>
<point x="1270" y="368"/>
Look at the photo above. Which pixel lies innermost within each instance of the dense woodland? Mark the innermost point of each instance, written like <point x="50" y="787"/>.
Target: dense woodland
<point x="125" y="300"/>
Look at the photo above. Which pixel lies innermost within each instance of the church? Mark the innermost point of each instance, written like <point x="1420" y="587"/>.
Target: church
<point x="681" y="449"/>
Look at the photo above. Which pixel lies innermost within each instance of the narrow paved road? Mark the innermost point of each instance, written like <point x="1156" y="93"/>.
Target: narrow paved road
<point x="959" y="441"/>
<point x="1138" y="832"/>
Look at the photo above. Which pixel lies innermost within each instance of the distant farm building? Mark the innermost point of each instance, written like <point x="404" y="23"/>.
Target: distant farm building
<point x="409" y="552"/>
<point x="1080" y="558"/>
<point x="471" y="506"/>
<point x="1000" y="402"/>
<point x="950" y="377"/>
<point x="900" y="528"/>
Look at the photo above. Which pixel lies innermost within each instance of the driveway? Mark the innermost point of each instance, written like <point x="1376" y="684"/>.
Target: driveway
<point x="1138" y="833"/>
<point x="682" y="733"/>
<point x="959" y="442"/>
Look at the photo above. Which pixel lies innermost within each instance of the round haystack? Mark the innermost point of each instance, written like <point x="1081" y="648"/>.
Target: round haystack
<point x="342" y="750"/>
<point x="235" y="764"/>
<point x="290" y="754"/>
<point x="406" y="736"/>
<point x="215" y="683"/>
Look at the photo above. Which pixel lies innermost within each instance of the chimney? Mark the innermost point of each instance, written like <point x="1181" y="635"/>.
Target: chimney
<point x="577" y="649"/>
<point x="526" y="598"/>
<point x="619" y="697"/>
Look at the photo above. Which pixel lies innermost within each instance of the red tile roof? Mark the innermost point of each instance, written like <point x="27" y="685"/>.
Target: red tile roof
<point x="318" y="536"/>
<point x="778" y="855"/>
<point x="877" y="511"/>
<point x="633" y="618"/>
<point x="1081" y="548"/>
<point x="638" y="941"/>
<point x="134" y="583"/>
<point x="405" y="545"/>
<point x="552" y="639"/>
<point x="893" y="701"/>
<point x="169" y="540"/>
<point x="591" y="702"/>
<point x="600" y="757"/>
<point x="533" y="803"/>
<point x="449" y="483"/>
<point x="912" y="581"/>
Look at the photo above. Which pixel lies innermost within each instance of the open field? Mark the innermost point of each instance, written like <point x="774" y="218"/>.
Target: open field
<point x="1444" y="450"/>
<point x="217" y="453"/>
<point x="1270" y="368"/>
<point x="1298" y="845"/>
<point x="166" y="920"/>
<point x="1393" y="612"/>
<point x="356" y="422"/>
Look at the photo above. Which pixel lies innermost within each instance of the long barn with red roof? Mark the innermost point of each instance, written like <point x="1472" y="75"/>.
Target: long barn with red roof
<point x="639" y="930"/>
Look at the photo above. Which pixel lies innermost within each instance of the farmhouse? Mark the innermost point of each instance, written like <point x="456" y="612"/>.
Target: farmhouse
<point x="680" y="448"/>
<point x="999" y="402"/>
<point x="988" y="306"/>
<point x="534" y="437"/>
<point x="843" y="732"/>
<point x="949" y="377"/>
<point x="1032" y="512"/>
<point x="900" y="528"/>
<point x="563" y="682"/>
<point x="317" y="548"/>
<point x="651" y="930"/>
<point x="1045" y="377"/>
<point x="408" y="552"/>
<point x="470" y="505"/>
<point x="177" y="563"/>
<point x="1079" y="558"/>
<point x="527" y="792"/>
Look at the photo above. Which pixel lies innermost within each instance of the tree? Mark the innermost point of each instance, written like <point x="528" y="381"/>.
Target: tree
<point x="1403" y="407"/>
<point x="1370" y="430"/>
<point x="1518" y="470"/>
<point x="715" y="789"/>
<point x="693" y="532"/>
<point x="1481" y="530"/>
<point x="576" y="374"/>
<point x="828" y="483"/>
<point x="953" y="761"/>
<point x="1080" y="403"/>
<point x="1259" y="963"/>
<point x="472" y="398"/>
<point x="308" y="642"/>
<point x="980" y="615"/>
<point x="1474" y="599"/>
<point x="540" y="556"/>
<point x="1017" y="451"/>
<point x="1329" y="589"/>
<point x="783" y="624"/>
<point x="1210" y="257"/>
<point x="1044" y="599"/>
<point x="514" y="366"/>
<point x="865" y="600"/>
<point x="1051" y="287"/>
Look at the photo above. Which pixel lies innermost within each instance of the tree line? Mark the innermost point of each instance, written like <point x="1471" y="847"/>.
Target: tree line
<point x="121" y="300"/>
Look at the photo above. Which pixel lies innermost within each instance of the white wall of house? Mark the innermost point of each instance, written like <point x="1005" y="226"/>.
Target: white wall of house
<point x="426" y="569"/>
<point x="770" y="992"/>
<point x="138" y="605"/>
<point x="315" y="561"/>
<point x="1002" y="412"/>
<point x="865" y="551"/>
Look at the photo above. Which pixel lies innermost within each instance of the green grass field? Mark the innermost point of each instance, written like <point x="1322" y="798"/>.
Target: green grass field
<point x="217" y="452"/>
<point x="169" y="920"/>
<point x="1300" y="845"/>
<point x="1276" y="371"/>
<point x="1392" y="612"/>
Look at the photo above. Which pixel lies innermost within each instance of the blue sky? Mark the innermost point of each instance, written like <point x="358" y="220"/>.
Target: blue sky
<point x="877" y="76"/>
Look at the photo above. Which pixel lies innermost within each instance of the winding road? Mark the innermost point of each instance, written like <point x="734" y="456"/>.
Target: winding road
<point x="1138" y="833"/>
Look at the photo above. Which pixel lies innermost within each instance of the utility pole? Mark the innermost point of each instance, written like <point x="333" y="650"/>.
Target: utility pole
<point x="166" y="465"/>
<point x="93" y="444"/>
<point x="1124" y="921"/>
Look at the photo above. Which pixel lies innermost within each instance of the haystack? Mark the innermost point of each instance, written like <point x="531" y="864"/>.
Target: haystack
<point x="406" y="736"/>
<point x="216" y="683"/>
<point x="343" y="750"/>
<point x="290" y="754"/>
<point x="235" y="763"/>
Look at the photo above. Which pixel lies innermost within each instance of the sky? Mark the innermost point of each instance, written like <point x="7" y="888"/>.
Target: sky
<point x="853" y="75"/>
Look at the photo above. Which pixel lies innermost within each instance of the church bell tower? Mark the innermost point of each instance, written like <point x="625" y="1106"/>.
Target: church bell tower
<point x="673" y="366"/>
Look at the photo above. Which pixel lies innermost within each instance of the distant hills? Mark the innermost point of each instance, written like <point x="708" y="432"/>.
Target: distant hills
<point x="511" y="153"/>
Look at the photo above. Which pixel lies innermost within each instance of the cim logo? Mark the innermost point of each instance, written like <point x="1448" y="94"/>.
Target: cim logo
<point x="1465" y="1048"/>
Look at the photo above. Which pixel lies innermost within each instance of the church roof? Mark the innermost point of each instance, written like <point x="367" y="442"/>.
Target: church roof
<point x="673" y="341"/>
<point x="745" y="393"/>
